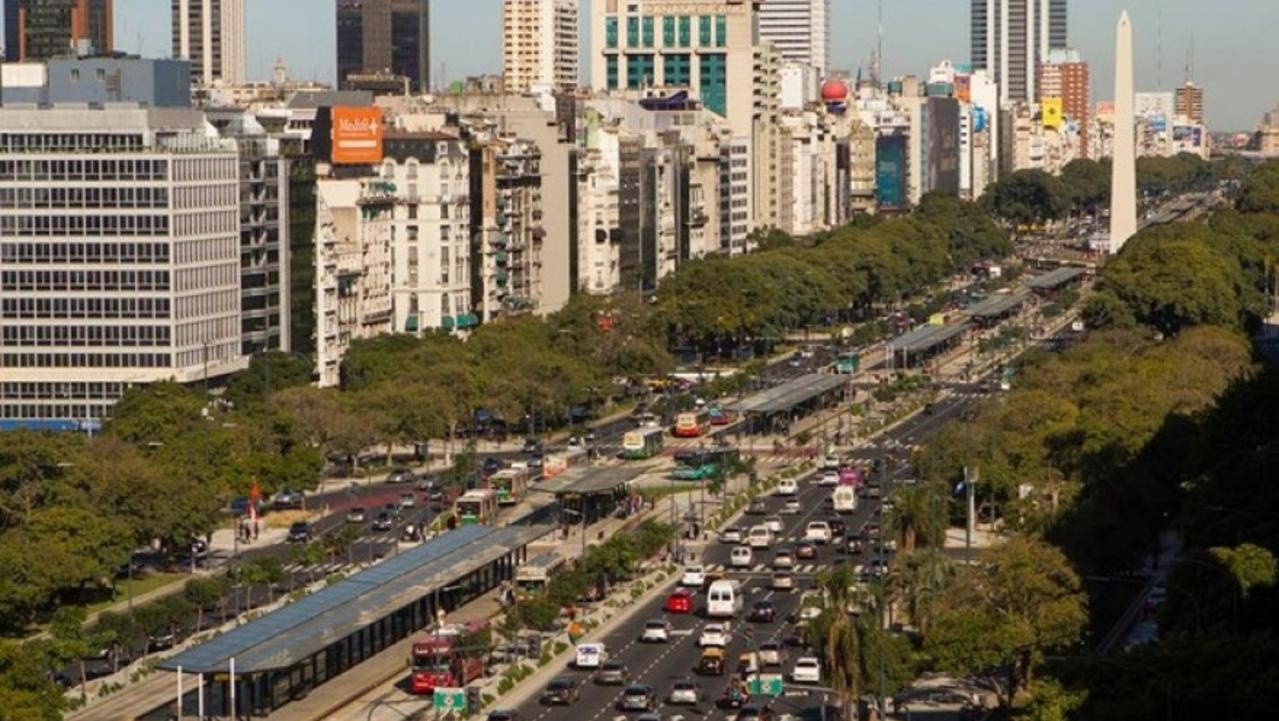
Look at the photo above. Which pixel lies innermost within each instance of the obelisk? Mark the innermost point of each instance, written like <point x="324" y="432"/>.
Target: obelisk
<point x="1123" y="174"/>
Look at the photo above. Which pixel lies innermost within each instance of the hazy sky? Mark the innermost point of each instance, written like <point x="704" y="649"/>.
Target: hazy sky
<point x="1236" y="57"/>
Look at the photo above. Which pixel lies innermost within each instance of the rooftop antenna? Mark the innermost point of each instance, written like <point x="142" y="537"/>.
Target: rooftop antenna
<point x="1190" y="62"/>
<point x="879" y="46"/>
<point x="1159" y="46"/>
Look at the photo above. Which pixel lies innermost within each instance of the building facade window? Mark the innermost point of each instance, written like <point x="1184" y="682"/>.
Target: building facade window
<point x="610" y="31"/>
<point x="639" y="71"/>
<point x="685" y="31"/>
<point x="677" y="70"/>
<point x="648" y="31"/>
<point x="713" y="83"/>
<point x="632" y="32"/>
<point x="704" y="31"/>
<point x="611" y="71"/>
<point x="721" y="31"/>
<point x="668" y="31"/>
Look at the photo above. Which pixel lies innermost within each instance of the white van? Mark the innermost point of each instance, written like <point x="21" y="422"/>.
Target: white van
<point x="724" y="599"/>
<point x="760" y="536"/>
<point x="845" y="499"/>
<point x="741" y="557"/>
<point x="590" y="655"/>
<point x="787" y="487"/>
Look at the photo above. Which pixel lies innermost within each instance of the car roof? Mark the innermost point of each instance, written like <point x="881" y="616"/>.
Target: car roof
<point x="712" y="652"/>
<point x="562" y="682"/>
<point x="681" y="592"/>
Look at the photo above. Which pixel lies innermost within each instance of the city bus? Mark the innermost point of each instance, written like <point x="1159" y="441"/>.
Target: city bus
<point x="691" y="424"/>
<point x="436" y="662"/>
<point x="536" y="573"/>
<point x="642" y="443"/>
<point x="720" y="417"/>
<point x="706" y="463"/>
<point x="510" y="485"/>
<point x="848" y="363"/>
<point x="478" y="506"/>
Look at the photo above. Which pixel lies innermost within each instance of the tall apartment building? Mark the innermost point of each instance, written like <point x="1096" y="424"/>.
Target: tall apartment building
<point x="44" y="29"/>
<point x="539" y="44"/>
<point x="354" y="223"/>
<point x="506" y="226"/>
<point x="264" y="231"/>
<point x="210" y="33"/>
<point x="1010" y="38"/>
<point x="384" y="37"/>
<point x="800" y="29"/>
<point x="1189" y="102"/>
<point x="1066" y="76"/>
<point x="119" y="243"/>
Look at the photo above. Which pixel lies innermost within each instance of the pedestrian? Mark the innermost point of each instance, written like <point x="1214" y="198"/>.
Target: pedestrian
<point x="255" y="530"/>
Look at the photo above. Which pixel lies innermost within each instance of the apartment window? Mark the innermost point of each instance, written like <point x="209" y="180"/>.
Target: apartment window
<point x="704" y="31"/>
<point x="668" y="31"/>
<point x="685" y="31"/>
<point x="721" y="31"/>
<point x="610" y="31"/>
<point x="648" y="31"/>
<point x="632" y="32"/>
<point x="611" y="71"/>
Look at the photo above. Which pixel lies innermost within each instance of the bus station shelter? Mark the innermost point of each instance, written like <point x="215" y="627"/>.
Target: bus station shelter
<point x="286" y="653"/>
<point x="1052" y="282"/>
<point x="775" y="408"/>
<point x="991" y="311"/>
<point x="925" y="343"/>
<point x="590" y="493"/>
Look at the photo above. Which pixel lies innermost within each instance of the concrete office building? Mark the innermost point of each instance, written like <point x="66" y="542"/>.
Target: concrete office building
<point x="97" y="81"/>
<point x="210" y="33"/>
<point x="44" y="29"/>
<point x="93" y="302"/>
<point x="800" y="29"/>
<point x="1010" y="38"/>
<point x="384" y="37"/>
<point x="1066" y="76"/>
<point x="539" y="44"/>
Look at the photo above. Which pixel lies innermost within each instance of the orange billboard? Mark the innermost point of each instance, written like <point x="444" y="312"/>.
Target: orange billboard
<point x="357" y="135"/>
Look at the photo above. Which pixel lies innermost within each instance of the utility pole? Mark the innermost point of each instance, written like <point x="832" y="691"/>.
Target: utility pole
<point x="970" y="481"/>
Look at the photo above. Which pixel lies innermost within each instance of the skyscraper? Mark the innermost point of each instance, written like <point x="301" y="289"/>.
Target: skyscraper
<point x="210" y="33"/>
<point x="1064" y="75"/>
<point x="539" y="44"/>
<point x="800" y="29"/>
<point x="1010" y="38"/>
<point x="43" y="29"/>
<point x="1190" y="101"/>
<point x="1123" y="174"/>
<point x="385" y="36"/>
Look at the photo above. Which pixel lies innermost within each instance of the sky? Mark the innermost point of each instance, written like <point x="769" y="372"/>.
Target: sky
<point x="1236" y="58"/>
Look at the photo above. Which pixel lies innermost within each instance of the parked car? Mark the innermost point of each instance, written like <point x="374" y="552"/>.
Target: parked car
<point x="288" y="499"/>
<point x="400" y="475"/>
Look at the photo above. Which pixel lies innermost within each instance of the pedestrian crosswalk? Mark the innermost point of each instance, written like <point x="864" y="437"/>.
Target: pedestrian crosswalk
<point x="799" y="568"/>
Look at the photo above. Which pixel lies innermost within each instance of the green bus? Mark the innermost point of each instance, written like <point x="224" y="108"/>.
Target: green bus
<point x="848" y="363"/>
<point x="704" y="464"/>
<point x="642" y="443"/>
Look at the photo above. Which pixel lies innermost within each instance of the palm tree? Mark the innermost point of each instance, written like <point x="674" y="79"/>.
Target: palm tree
<point x="838" y="635"/>
<point x="918" y="517"/>
<point x="917" y="580"/>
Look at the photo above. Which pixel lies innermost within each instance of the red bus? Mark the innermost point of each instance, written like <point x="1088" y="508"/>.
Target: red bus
<point x="691" y="424"/>
<point x="436" y="662"/>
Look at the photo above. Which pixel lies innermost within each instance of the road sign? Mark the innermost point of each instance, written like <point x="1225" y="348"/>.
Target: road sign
<point x="765" y="684"/>
<point x="449" y="699"/>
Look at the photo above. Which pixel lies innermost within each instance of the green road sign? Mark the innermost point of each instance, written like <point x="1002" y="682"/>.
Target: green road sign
<point x="450" y="699"/>
<point x="765" y="684"/>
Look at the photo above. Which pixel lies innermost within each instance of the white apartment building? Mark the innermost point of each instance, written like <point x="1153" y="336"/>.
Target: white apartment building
<point x="354" y="227"/>
<point x="119" y="258"/>
<point x="539" y="44"/>
<point x="210" y="33"/>
<point x="800" y="29"/>
<point x="430" y="238"/>
<point x="808" y="174"/>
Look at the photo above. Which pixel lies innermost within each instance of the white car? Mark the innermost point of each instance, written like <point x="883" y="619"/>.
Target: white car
<point x="828" y="478"/>
<point x="818" y="532"/>
<point x="830" y="463"/>
<point x="788" y="487"/>
<point x="656" y="630"/>
<point x="783" y="581"/>
<point x="783" y="559"/>
<point x="771" y="653"/>
<point x="774" y="523"/>
<point x="684" y="691"/>
<point x="807" y="670"/>
<point x="732" y="534"/>
<point x="741" y="557"/>
<point x="694" y="576"/>
<point x="791" y="507"/>
<point x="714" y="634"/>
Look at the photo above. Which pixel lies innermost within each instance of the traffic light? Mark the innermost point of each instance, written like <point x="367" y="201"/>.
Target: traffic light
<point x="473" y="701"/>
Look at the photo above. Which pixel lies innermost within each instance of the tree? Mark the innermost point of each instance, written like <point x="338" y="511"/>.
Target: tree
<point x="1021" y="601"/>
<point x="918" y="579"/>
<point x="1027" y="197"/>
<point x="837" y="635"/>
<point x="71" y="642"/>
<point x="265" y="570"/>
<point x="205" y="593"/>
<point x="267" y="373"/>
<point x="27" y="691"/>
<point x="918" y="516"/>
<point x="1249" y="564"/>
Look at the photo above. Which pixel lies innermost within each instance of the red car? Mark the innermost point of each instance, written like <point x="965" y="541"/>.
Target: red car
<point x="680" y="601"/>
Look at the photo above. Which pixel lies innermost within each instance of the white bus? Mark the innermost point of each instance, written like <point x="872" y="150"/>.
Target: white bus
<point x="845" y="499"/>
<point x="724" y="599"/>
<point x="536" y="572"/>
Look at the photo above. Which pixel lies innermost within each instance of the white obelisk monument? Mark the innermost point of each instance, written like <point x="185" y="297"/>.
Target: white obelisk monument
<point x="1123" y="176"/>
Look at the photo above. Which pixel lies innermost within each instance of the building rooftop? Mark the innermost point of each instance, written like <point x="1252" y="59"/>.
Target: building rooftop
<point x="926" y="337"/>
<point x="790" y="394"/>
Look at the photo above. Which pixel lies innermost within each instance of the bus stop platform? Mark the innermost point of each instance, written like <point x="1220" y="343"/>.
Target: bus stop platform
<point x="791" y="399"/>
<point x="292" y="652"/>
<point x="590" y="492"/>
<point x="910" y="349"/>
